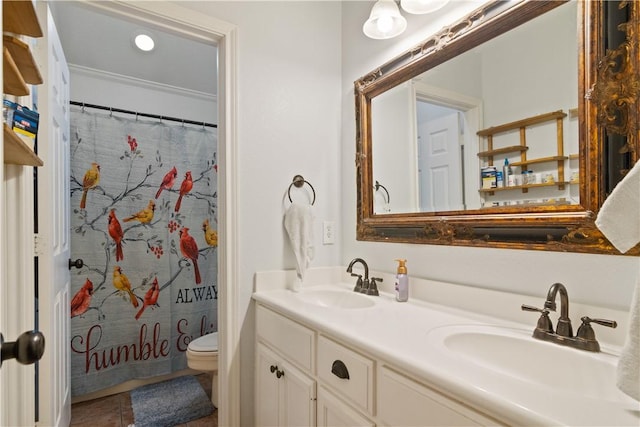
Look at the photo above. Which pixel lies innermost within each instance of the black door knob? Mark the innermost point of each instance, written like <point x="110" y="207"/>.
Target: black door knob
<point x="27" y="349"/>
<point x="77" y="263"/>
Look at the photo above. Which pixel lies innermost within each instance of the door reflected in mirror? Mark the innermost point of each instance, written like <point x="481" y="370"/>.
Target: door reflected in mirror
<point x="440" y="140"/>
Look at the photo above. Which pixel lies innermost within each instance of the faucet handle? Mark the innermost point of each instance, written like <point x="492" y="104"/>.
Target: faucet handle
<point x="373" y="288"/>
<point x="585" y="331"/>
<point x="358" y="287"/>
<point x="544" y="323"/>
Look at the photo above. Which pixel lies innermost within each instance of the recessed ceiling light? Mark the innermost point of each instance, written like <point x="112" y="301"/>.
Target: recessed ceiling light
<point x="144" y="42"/>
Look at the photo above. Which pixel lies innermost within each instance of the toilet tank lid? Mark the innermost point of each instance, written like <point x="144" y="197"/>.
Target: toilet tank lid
<point x="208" y="342"/>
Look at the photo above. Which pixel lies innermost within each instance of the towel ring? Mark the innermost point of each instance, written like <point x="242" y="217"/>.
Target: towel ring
<point x="299" y="181"/>
<point x="378" y="186"/>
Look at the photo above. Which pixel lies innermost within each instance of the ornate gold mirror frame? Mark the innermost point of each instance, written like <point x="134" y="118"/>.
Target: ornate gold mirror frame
<point x="608" y="133"/>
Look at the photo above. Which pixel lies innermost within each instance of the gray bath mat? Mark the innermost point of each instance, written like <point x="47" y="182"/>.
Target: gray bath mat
<point x="169" y="403"/>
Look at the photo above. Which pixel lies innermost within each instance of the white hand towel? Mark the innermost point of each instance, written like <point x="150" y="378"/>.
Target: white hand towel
<point x="628" y="372"/>
<point x="619" y="217"/>
<point x="619" y="221"/>
<point x="298" y="221"/>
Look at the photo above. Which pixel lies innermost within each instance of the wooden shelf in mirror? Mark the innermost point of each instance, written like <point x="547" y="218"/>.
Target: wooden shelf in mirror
<point x="20" y="17"/>
<point x="540" y="160"/>
<point x="503" y="150"/>
<point x="523" y="187"/>
<point x="17" y="151"/>
<point x="13" y="83"/>
<point x="21" y="54"/>
<point x="529" y="121"/>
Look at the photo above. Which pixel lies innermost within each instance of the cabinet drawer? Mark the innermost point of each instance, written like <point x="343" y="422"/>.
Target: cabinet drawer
<point x="292" y="339"/>
<point x="334" y="358"/>
<point x="405" y="402"/>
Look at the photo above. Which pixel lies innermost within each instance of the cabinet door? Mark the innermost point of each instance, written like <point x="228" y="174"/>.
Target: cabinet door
<point x="299" y="397"/>
<point x="404" y="402"/>
<point x="333" y="413"/>
<point x="285" y="396"/>
<point x="267" y="395"/>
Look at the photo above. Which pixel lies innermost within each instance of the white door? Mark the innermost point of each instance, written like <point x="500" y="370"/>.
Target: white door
<point x="440" y="164"/>
<point x="17" y="292"/>
<point x="53" y="222"/>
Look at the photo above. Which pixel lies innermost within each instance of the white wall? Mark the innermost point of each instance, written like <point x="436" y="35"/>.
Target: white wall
<point x="116" y="91"/>
<point x="591" y="279"/>
<point x="289" y="64"/>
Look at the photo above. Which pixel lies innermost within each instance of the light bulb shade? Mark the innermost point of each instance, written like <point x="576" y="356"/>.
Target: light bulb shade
<point x="419" y="7"/>
<point x="384" y="21"/>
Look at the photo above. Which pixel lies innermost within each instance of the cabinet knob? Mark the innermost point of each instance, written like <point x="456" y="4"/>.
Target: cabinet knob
<point x="273" y="368"/>
<point x="279" y="374"/>
<point x="339" y="369"/>
<point x="27" y="349"/>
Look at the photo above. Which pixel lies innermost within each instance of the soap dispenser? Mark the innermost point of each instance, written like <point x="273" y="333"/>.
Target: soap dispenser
<point x="402" y="281"/>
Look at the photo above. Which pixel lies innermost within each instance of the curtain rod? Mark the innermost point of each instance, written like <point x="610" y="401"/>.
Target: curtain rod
<point x="137" y="114"/>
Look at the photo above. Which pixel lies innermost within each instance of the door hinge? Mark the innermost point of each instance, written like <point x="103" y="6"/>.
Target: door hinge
<point x="37" y="245"/>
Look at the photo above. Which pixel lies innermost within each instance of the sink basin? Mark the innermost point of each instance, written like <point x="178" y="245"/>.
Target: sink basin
<point x="336" y="298"/>
<point x="515" y="353"/>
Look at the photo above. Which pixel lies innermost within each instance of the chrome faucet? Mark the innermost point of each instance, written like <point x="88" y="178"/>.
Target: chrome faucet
<point x="361" y="286"/>
<point x="585" y="339"/>
<point x="563" y="327"/>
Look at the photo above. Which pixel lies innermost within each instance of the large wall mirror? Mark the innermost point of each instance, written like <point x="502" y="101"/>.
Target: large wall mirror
<point x="507" y="128"/>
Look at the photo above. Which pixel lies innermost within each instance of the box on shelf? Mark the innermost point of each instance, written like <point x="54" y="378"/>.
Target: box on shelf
<point x="489" y="177"/>
<point x="20" y="118"/>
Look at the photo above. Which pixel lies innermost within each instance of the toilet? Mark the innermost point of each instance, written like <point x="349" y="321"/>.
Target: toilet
<point x="202" y="355"/>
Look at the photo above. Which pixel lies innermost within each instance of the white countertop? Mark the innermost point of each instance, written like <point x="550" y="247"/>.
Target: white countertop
<point x="397" y="333"/>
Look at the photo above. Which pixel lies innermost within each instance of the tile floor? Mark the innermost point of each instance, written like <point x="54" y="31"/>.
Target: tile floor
<point x="115" y="410"/>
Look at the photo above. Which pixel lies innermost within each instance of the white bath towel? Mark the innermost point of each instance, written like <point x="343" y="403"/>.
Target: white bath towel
<point x="619" y="221"/>
<point x="298" y="221"/>
<point x="619" y="217"/>
<point x="628" y="372"/>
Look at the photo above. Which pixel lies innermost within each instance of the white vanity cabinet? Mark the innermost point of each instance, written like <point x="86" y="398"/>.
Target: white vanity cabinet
<point x="353" y="388"/>
<point x="285" y="388"/>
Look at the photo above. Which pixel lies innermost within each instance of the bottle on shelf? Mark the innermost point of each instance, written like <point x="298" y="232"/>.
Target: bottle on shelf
<point x="507" y="174"/>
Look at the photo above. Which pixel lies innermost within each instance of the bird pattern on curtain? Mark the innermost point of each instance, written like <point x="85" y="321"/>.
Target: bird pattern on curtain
<point x="144" y="215"/>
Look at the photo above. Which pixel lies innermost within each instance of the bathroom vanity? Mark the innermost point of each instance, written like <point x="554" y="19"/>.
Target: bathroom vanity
<point x="327" y="356"/>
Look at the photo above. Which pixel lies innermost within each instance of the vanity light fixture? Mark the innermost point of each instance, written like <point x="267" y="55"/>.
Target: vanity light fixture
<point x="418" y="7"/>
<point x="143" y="41"/>
<point x="385" y="20"/>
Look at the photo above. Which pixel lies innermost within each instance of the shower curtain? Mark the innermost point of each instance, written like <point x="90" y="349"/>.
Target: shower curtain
<point x="143" y="220"/>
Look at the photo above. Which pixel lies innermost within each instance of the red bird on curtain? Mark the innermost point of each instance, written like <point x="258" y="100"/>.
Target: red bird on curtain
<point x="167" y="181"/>
<point x="150" y="298"/>
<point x="82" y="299"/>
<point x="185" y="187"/>
<point x="115" y="231"/>
<point x="189" y="249"/>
